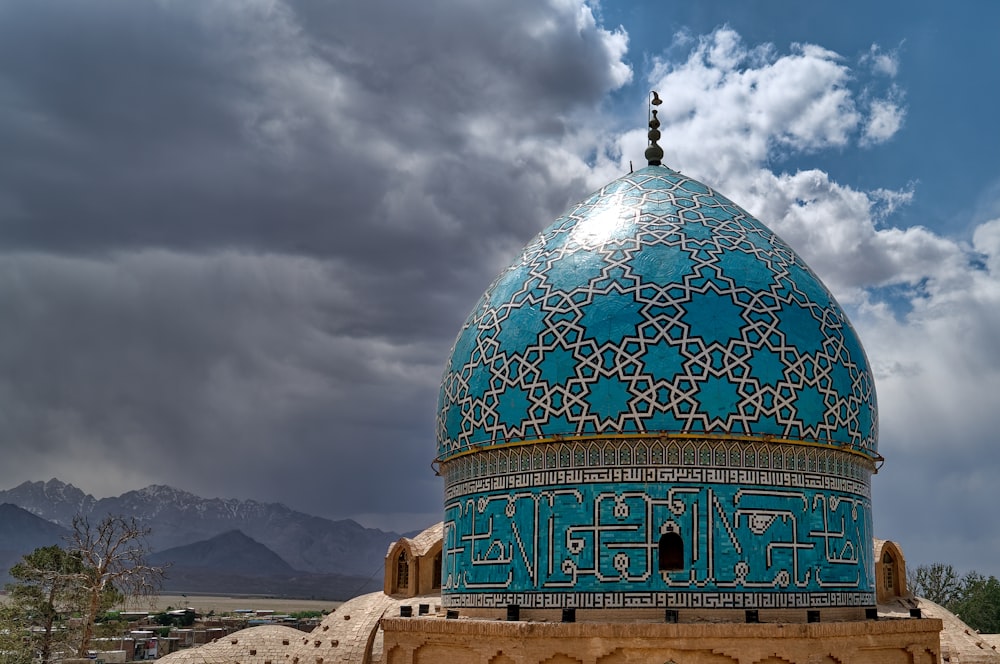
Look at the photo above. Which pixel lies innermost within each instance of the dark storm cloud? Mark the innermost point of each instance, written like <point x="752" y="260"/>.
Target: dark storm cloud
<point x="172" y="125"/>
<point x="363" y="131"/>
<point x="221" y="374"/>
<point x="238" y="237"/>
<point x="474" y="56"/>
<point x="141" y="117"/>
<point x="940" y="504"/>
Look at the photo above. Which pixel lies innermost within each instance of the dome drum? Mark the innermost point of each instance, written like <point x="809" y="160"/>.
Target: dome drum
<point x="658" y="523"/>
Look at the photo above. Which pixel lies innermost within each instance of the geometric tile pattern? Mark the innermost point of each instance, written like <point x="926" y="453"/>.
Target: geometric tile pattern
<point x="657" y="305"/>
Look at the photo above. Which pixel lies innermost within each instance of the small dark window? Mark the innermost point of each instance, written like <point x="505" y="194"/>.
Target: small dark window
<point x="436" y="583"/>
<point x="671" y="552"/>
<point x="402" y="571"/>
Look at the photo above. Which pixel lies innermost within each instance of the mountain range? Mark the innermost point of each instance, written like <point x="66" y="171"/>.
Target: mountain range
<point x="22" y="532"/>
<point x="238" y="545"/>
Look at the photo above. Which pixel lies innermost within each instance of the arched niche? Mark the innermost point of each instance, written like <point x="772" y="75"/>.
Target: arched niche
<point x="399" y="571"/>
<point x="670" y="552"/>
<point x="890" y="572"/>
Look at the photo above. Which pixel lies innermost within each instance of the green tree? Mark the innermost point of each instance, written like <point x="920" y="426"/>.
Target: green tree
<point x="974" y="598"/>
<point x="113" y="553"/>
<point x="45" y="589"/>
<point x="178" y="618"/>
<point x="978" y="603"/>
<point x="14" y="646"/>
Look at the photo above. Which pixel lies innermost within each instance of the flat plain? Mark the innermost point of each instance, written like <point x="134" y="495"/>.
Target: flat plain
<point x="227" y="604"/>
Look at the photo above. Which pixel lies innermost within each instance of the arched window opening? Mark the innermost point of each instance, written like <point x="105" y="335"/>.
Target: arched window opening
<point x="671" y="552"/>
<point x="436" y="583"/>
<point x="889" y="572"/>
<point x="402" y="571"/>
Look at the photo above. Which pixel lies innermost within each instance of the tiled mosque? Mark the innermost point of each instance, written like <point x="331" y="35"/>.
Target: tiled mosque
<point x="657" y="432"/>
<point x="657" y="421"/>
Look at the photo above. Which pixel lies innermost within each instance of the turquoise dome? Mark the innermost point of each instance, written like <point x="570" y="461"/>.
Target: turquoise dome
<point x="657" y="306"/>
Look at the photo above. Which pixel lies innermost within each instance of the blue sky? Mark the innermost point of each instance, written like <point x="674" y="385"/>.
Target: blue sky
<point x="238" y="237"/>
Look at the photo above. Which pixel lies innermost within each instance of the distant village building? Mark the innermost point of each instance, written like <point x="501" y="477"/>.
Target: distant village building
<point x="657" y="431"/>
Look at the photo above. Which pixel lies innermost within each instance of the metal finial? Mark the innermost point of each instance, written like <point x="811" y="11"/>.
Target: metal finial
<point x="654" y="153"/>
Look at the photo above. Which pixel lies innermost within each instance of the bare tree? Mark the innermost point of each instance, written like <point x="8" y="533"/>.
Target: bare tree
<point x="113" y="553"/>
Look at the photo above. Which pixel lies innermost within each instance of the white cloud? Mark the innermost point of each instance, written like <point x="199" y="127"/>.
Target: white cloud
<point x="729" y="107"/>
<point x="986" y="240"/>
<point x="887" y="201"/>
<point x="885" y="118"/>
<point x="881" y="62"/>
<point x="834" y="228"/>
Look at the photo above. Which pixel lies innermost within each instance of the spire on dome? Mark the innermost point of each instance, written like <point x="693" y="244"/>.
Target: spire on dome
<point x="654" y="153"/>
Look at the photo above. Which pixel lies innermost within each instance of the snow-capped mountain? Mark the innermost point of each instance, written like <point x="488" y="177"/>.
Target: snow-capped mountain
<point x="53" y="501"/>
